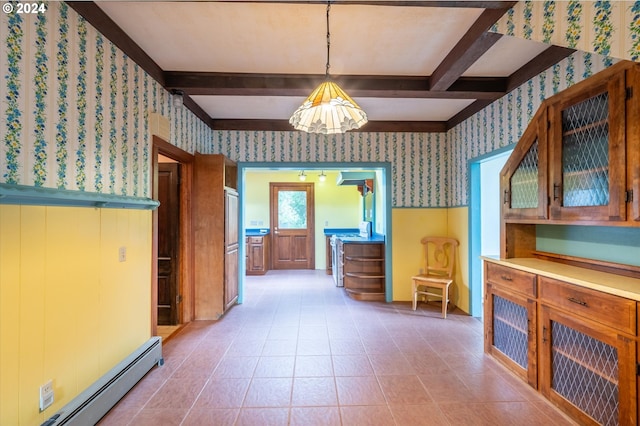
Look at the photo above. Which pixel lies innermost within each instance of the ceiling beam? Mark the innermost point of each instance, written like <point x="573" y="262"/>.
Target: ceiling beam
<point x="543" y="61"/>
<point x="230" y="84"/>
<point x="371" y="126"/>
<point x="394" y="3"/>
<point x="473" y="44"/>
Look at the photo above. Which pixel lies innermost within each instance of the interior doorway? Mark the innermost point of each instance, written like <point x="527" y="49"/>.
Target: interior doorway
<point x="484" y="219"/>
<point x="172" y="303"/>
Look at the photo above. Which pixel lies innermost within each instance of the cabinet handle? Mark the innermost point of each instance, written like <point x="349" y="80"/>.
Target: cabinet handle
<point x="506" y="277"/>
<point x="556" y="190"/>
<point x="544" y="334"/>
<point x="505" y="197"/>
<point x="579" y="302"/>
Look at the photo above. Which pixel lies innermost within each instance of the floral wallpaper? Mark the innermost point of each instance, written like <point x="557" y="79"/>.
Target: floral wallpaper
<point x="74" y="109"/>
<point x="609" y="28"/>
<point x="418" y="160"/>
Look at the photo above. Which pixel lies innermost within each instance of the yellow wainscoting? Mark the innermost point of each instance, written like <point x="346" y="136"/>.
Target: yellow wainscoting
<point x="69" y="309"/>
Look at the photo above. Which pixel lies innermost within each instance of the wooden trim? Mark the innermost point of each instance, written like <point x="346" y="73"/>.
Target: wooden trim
<point x="598" y="265"/>
<point x="398" y="3"/>
<point x="371" y="126"/>
<point x="186" y="278"/>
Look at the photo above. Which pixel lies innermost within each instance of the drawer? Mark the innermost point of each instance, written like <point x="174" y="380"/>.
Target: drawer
<point x="255" y="240"/>
<point x="607" y="309"/>
<point x="515" y="280"/>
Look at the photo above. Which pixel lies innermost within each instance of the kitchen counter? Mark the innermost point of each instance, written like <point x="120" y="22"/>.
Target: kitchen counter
<point x="602" y="281"/>
<point x="256" y="232"/>
<point x="375" y="239"/>
<point x="340" y="231"/>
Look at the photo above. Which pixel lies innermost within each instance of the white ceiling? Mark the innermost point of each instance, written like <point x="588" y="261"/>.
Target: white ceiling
<point x="259" y="37"/>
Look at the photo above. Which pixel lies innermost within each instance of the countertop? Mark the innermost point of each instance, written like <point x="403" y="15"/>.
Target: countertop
<point x="375" y="238"/>
<point x="337" y="231"/>
<point x="256" y="232"/>
<point x="602" y="281"/>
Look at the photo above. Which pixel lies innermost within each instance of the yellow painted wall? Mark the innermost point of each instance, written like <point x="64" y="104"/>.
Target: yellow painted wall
<point x="409" y="226"/>
<point x="458" y="228"/>
<point x="336" y="206"/>
<point x="69" y="310"/>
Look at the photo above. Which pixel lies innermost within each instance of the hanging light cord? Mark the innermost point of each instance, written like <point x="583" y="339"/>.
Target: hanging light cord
<point x="328" y="40"/>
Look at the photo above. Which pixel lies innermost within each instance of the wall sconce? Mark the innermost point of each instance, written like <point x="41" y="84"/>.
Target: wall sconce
<point x="302" y="176"/>
<point x="322" y="177"/>
<point x="177" y="98"/>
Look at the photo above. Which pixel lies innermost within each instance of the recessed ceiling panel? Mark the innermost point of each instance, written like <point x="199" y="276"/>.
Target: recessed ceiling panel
<point x="281" y="108"/>
<point x="505" y="57"/>
<point x="291" y="38"/>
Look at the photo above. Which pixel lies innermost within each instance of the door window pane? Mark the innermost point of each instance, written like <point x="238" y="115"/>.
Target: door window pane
<point x="292" y="209"/>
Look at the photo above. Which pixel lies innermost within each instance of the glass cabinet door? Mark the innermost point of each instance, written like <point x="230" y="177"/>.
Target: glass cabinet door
<point x="588" y="154"/>
<point x="523" y="179"/>
<point x="588" y="370"/>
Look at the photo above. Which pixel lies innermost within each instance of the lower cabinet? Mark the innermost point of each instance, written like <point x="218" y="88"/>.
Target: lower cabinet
<point x="576" y="345"/>
<point x="257" y="248"/>
<point x="363" y="271"/>
<point x="587" y="369"/>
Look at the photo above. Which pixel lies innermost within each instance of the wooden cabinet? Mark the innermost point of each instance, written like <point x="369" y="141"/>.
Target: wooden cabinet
<point x="215" y="221"/>
<point x="523" y="179"/>
<point x="577" y="345"/>
<point x="363" y="270"/>
<point x="587" y="150"/>
<point x="257" y="254"/>
<point x="588" y="369"/>
<point x="510" y="320"/>
<point x="578" y="161"/>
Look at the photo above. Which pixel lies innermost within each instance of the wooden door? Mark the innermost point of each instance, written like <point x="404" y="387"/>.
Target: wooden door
<point x="231" y="244"/>
<point x="292" y="222"/>
<point x="168" y="242"/>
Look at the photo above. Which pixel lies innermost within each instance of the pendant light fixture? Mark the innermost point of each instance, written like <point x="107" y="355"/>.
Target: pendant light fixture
<point x="328" y="109"/>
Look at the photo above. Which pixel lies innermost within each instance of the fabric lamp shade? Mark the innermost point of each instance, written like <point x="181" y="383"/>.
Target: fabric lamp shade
<point x="328" y="110"/>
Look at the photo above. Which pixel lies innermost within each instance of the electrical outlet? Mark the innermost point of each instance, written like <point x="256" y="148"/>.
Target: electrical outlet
<point x="326" y="223"/>
<point x="122" y="254"/>
<point x="46" y="395"/>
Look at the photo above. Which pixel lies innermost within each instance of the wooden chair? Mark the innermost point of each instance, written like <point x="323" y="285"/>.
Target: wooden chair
<point x="439" y="253"/>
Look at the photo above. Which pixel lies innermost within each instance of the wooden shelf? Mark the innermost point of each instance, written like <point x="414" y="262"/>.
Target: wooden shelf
<point x="363" y="259"/>
<point x="364" y="275"/>
<point x="511" y="325"/>
<point x="591" y="368"/>
<point x="586" y="127"/>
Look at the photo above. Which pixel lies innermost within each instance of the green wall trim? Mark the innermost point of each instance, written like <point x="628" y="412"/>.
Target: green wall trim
<point x="39" y="196"/>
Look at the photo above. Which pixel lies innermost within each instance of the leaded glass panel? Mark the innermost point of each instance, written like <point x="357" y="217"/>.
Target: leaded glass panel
<point x="585" y="153"/>
<point x="524" y="181"/>
<point x="510" y="330"/>
<point x="585" y="372"/>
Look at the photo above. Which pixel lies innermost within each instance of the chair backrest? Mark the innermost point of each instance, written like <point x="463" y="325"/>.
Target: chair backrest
<point x="440" y="254"/>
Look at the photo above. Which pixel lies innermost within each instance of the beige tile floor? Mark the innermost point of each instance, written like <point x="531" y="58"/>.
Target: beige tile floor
<point x="299" y="351"/>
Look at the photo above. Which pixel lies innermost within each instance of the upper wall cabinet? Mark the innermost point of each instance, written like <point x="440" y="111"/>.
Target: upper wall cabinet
<point x="579" y="159"/>
<point x="524" y="176"/>
<point x="588" y="139"/>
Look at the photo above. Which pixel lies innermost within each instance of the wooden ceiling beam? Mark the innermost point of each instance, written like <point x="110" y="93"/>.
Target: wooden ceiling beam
<point x="473" y="44"/>
<point x="229" y="84"/>
<point x="371" y="126"/>
<point x="394" y="3"/>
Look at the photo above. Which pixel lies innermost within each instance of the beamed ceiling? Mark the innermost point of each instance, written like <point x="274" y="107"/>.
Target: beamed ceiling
<point x="420" y="66"/>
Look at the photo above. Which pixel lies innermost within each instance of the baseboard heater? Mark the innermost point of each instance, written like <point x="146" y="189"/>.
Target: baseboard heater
<point x="93" y="403"/>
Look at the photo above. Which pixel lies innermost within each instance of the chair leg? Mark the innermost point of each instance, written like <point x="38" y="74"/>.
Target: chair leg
<point x="445" y="301"/>
<point x="415" y="296"/>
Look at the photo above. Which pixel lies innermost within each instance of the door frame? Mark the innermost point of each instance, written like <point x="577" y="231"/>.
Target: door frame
<point x="384" y="167"/>
<point x="309" y="189"/>
<point x="186" y="249"/>
<point x="475" y="225"/>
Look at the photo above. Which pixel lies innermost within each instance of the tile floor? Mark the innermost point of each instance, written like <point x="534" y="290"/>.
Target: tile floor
<point x="301" y="352"/>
